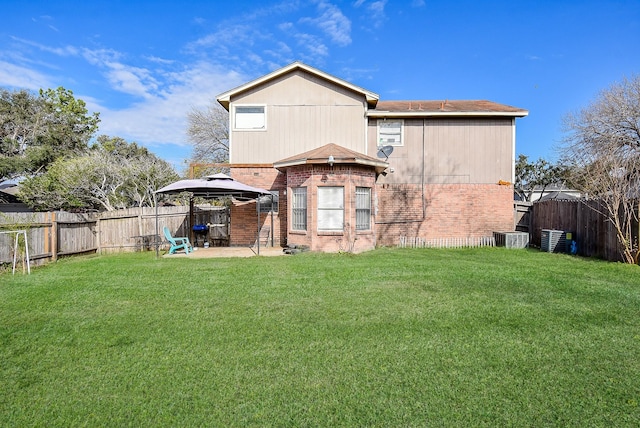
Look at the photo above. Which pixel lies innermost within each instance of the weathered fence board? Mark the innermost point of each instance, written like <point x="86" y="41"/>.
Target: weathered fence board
<point x="61" y="233"/>
<point x="593" y="233"/>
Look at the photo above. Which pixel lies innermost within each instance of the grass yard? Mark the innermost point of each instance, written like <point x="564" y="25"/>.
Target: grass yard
<point x="393" y="337"/>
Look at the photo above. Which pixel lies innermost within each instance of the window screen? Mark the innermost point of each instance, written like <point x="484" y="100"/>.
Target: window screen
<point x="299" y="208"/>
<point x="390" y="132"/>
<point x="363" y="208"/>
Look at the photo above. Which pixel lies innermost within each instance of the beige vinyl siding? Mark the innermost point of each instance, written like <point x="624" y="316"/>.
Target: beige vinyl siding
<point x="303" y="112"/>
<point x="455" y="151"/>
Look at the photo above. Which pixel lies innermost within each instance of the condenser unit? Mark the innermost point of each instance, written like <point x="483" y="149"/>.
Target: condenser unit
<point x="553" y="241"/>
<point x="511" y="239"/>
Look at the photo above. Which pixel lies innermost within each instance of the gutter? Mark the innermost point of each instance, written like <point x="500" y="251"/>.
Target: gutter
<point x="404" y="114"/>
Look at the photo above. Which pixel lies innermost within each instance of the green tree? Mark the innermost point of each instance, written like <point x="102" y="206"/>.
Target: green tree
<point x="21" y="116"/>
<point x="119" y="147"/>
<point x="36" y="130"/>
<point x="113" y="175"/>
<point x="536" y="175"/>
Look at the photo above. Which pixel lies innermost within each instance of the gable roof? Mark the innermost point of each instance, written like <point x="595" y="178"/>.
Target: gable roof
<point x="225" y="98"/>
<point x="444" y="108"/>
<point x="341" y="155"/>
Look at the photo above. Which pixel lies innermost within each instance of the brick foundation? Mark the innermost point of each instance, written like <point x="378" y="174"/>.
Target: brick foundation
<point x="448" y="211"/>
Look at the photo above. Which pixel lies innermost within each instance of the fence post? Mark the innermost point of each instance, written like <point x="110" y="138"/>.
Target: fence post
<point x="54" y="237"/>
<point x="98" y="235"/>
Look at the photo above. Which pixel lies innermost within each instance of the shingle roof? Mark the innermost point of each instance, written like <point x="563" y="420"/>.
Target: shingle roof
<point x="341" y="155"/>
<point x="445" y="108"/>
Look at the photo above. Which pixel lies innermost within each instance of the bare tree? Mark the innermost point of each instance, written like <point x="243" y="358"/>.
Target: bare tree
<point x="602" y="148"/>
<point x="209" y="133"/>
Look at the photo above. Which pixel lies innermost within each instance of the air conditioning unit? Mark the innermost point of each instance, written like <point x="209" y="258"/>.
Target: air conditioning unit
<point x="511" y="239"/>
<point x="553" y="241"/>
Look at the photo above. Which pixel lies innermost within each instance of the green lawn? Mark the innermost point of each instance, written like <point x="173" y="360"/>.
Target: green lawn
<point x="472" y="337"/>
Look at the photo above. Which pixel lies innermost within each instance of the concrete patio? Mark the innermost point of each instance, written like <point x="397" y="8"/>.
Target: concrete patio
<point x="212" y="252"/>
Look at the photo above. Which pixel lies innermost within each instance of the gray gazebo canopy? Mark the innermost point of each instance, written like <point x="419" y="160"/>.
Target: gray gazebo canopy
<point x="215" y="187"/>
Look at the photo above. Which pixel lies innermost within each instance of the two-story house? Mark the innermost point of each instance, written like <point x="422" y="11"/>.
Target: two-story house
<point x="351" y="172"/>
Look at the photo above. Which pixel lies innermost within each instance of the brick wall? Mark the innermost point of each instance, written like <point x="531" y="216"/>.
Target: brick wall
<point x="449" y="211"/>
<point x="244" y="221"/>
<point x="347" y="176"/>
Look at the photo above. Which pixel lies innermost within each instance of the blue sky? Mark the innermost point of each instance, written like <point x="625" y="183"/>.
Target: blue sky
<point x="144" y="64"/>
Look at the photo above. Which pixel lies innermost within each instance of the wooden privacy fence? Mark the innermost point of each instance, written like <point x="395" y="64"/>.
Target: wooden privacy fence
<point x="55" y="234"/>
<point x="594" y="234"/>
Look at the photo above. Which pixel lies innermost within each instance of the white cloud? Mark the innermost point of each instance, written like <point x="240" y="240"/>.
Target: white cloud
<point x="313" y="44"/>
<point x="376" y="9"/>
<point x="131" y="80"/>
<point x="158" y="60"/>
<point x="162" y="118"/>
<point x="16" y="76"/>
<point x="285" y="26"/>
<point x="281" y="53"/>
<point x="332" y="22"/>
<point x="63" y="51"/>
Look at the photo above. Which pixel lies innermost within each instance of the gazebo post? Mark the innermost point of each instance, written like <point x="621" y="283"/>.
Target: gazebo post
<point x="190" y="233"/>
<point x="272" y="231"/>
<point x="258" y="234"/>
<point x="156" y="238"/>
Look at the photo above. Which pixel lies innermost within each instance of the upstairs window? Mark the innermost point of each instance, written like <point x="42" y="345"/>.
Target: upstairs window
<point x="390" y="132"/>
<point x="250" y="117"/>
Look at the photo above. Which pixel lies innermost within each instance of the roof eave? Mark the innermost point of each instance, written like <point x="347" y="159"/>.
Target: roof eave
<point x="379" y="113"/>
<point x="379" y="166"/>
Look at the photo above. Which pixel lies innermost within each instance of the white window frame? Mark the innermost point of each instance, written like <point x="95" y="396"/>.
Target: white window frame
<point x="382" y="123"/>
<point x="330" y="209"/>
<point x="299" y="209"/>
<point x="363" y="208"/>
<point x="250" y="106"/>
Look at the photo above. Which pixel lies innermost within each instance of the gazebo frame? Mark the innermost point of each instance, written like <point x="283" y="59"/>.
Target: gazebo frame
<point x="216" y="186"/>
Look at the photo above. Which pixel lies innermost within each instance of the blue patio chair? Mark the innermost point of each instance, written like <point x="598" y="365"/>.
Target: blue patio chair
<point x="177" y="243"/>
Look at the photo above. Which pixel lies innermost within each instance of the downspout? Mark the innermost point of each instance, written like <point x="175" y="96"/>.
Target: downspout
<point x="424" y="205"/>
<point x="258" y="209"/>
<point x="513" y="150"/>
